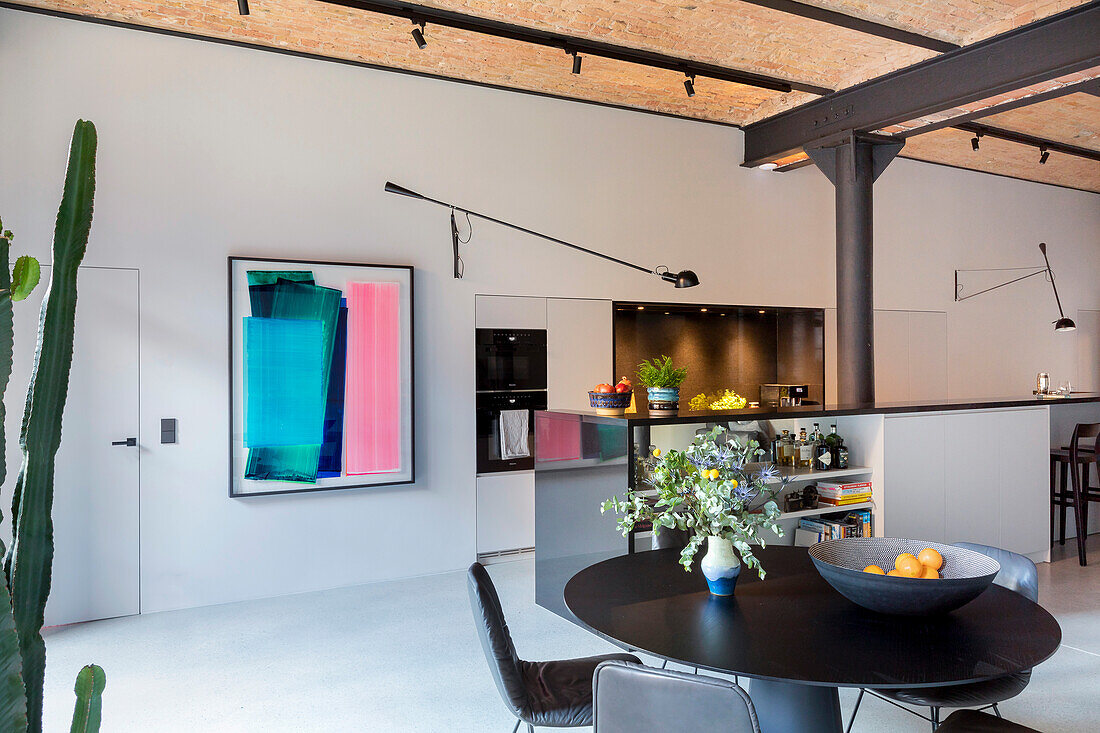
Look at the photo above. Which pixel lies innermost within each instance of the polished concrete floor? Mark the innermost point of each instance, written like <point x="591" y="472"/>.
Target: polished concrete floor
<point x="403" y="656"/>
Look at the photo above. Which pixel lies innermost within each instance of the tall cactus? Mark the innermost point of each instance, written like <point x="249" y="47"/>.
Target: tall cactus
<point x="30" y="558"/>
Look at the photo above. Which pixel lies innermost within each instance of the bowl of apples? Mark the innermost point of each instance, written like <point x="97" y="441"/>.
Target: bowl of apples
<point x="612" y="400"/>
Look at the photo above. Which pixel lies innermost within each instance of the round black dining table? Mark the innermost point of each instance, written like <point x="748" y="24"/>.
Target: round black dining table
<point x="797" y="638"/>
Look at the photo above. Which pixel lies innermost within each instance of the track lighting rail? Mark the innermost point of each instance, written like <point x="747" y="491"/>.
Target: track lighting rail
<point x="571" y="45"/>
<point x="1042" y="144"/>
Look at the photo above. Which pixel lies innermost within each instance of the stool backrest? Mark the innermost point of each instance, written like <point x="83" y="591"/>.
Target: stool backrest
<point x="1080" y="445"/>
<point x="632" y="698"/>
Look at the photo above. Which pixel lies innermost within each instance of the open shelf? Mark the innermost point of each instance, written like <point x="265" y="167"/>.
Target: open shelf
<point x="805" y="474"/>
<point x="823" y="509"/>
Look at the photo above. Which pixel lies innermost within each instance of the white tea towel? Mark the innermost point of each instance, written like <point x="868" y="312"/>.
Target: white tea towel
<point x="513" y="434"/>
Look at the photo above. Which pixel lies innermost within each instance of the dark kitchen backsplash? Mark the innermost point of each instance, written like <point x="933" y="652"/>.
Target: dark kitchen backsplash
<point x="724" y="347"/>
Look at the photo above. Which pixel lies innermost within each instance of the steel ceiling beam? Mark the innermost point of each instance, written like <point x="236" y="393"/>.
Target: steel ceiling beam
<point x="1092" y="86"/>
<point x="1024" y="139"/>
<point x="570" y="44"/>
<point x="1049" y="48"/>
<point x="851" y="22"/>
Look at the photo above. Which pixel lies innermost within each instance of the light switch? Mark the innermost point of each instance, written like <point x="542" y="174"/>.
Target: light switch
<point x="168" y="430"/>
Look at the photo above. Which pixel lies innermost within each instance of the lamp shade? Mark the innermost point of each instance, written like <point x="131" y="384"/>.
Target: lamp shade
<point x="688" y="279"/>
<point x="1063" y="324"/>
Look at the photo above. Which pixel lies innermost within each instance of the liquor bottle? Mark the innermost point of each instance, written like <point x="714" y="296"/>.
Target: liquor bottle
<point x="841" y="454"/>
<point x="833" y="440"/>
<point x="805" y="456"/>
<point x="773" y="454"/>
<point x="786" y="449"/>
<point x="823" y="455"/>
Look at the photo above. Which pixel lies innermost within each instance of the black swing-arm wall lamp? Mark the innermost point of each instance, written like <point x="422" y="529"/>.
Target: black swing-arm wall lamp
<point x="1062" y="324"/>
<point x="681" y="279"/>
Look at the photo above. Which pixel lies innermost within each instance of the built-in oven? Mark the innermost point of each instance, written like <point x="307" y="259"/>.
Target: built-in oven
<point x="511" y="359"/>
<point x="506" y="430"/>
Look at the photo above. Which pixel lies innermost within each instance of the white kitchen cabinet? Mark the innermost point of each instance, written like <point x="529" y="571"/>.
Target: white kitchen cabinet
<point x="914" y="503"/>
<point x="969" y="476"/>
<point x="578" y="350"/>
<point x="508" y="311"/>
<point x="505" y="511"/>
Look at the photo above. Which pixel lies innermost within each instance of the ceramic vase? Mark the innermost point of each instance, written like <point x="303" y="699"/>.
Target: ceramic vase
<point x="663" y="398"/>
<point x="721" y="566"/>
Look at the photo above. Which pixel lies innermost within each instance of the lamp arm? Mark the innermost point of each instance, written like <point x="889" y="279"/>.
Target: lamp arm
<point x="394" y="188"/>
<point x="1043" y="249"/>
<point x="1016" y="280"/>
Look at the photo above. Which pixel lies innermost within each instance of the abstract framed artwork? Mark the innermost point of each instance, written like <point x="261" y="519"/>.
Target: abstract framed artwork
<point x="320" y="376"/>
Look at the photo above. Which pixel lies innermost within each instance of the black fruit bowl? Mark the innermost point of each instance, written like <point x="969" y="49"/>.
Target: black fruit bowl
<point x="965" y="574"/>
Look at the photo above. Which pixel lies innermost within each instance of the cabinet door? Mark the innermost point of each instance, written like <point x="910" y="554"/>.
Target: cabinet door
<point x="892" y="356"/>
<point x="927" y="356"/>
<point x="505" y="511"/>
<point x="578" y="350"/>
<point x="914" y="503"/>
<point x="1023" y="493"/>
<point x="974" y="448"/>
<point x="506" y="311"/>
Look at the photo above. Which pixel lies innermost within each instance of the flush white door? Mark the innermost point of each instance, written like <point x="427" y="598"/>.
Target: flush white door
<point x="95" y="510"/>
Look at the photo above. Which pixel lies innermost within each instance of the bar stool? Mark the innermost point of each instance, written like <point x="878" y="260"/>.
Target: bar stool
<point x="1075" y="461"/>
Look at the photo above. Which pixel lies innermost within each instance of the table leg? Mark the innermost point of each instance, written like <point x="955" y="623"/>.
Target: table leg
<point x="785" y="707"/>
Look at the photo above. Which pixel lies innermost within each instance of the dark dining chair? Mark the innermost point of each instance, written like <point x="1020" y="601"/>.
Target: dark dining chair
<point x="1018" y="574"/>
<point x="554" y="694"/>
<point x="1077" y="460"/>
<point x="631" y="698"/>
<point x="973" y="721"/>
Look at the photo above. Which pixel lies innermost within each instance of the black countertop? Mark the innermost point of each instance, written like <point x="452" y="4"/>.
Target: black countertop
<point x="644" y="417"/>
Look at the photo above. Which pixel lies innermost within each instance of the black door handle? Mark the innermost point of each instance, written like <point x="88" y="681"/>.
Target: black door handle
<point x="129" y="442"/>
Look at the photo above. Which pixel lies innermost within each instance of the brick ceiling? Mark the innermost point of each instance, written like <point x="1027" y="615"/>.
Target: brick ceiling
<point x="725" y="33"/>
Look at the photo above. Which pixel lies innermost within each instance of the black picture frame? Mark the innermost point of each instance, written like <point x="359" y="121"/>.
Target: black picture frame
<point x="230" y="260"/>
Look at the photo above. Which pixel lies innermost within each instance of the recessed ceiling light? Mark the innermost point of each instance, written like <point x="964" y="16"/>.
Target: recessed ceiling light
<point x="641" y="307"/>
<point x="702" y="310"/>
<point x="761" y="312"/>
<point x="768" y="166"/>
<point x="666" y="313"/>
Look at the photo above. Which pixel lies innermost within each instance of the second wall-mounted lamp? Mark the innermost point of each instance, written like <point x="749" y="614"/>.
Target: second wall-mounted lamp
<point x="1062" y="324"/>
<point x="681" y="279"/>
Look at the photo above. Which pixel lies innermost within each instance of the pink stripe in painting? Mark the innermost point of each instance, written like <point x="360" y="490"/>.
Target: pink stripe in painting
<point x="372" y="408"/>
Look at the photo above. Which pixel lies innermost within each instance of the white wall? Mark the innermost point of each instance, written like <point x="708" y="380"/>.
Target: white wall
<point x="207" y="151"/>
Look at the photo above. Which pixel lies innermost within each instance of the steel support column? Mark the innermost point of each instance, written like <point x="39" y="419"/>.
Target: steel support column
<point x="853" y="164"/>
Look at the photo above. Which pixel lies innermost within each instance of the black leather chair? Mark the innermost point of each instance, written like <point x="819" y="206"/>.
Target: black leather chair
<point x="630" y="698"/>
<point x="1018" y="574"/>
<point x="552" y="694"/>
<point x="972" y="721"/>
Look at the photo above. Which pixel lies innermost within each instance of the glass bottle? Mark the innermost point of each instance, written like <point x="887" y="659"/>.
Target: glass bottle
<point x="823" y="455"/>
<point x="841" y="454"/>
<point x="805" y="456"/>
<point x="786" y="449"/>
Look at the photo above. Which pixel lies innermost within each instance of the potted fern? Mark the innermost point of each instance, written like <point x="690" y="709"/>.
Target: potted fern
<point x="662" y="382"/>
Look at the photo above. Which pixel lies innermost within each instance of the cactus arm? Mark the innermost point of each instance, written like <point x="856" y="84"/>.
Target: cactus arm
<point x="13" y="696"/>
<point x="6" y="346"/>
<point x="31" y="555"/>
<point x="90" y="682"/>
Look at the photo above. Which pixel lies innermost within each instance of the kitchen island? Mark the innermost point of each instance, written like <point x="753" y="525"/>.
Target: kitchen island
<point x="962" y="470"/>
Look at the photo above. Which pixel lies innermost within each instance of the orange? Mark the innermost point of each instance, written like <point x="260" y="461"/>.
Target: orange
<point x="930" y="558"/>
<point x="894" y="574"/>
<point x="908" y="565"/>
<point x="874" y="570"/>
<point x="930" y="573"/>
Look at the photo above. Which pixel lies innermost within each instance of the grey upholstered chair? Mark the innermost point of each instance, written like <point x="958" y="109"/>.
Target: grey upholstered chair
<point x="1018" y="574"/>
<point x="630" y="698"/>
<point x="972" y="721"/>
<point x="552" y="694"/>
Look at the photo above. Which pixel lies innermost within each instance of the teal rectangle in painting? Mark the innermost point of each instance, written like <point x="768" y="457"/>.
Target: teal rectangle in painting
<point x="284" y="385"/>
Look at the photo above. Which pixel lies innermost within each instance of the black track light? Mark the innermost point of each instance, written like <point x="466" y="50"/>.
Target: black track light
<point x="418" y="36"/>
<point x="576" y="63"/>
<point x="689" y="85"/>
<point x="1043" y="156"/>
<point x="974" y="142"/>
<point x="242" y="7"/>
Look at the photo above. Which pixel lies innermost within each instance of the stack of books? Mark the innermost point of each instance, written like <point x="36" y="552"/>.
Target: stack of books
<point x="843" y="494"/>
<point x="833" y="527"/>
